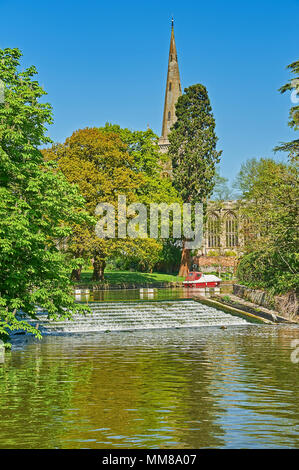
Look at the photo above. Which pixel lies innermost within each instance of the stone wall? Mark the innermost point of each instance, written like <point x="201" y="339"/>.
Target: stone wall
<point x="287" y="305"/>
<point x="223" y="231"/>
<point x="220" y="264"/>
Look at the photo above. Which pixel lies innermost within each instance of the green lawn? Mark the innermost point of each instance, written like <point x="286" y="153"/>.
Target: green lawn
<point x="129" y="277"/>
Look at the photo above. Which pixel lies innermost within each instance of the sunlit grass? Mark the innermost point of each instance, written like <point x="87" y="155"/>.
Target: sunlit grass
<point x="130" y="277"/>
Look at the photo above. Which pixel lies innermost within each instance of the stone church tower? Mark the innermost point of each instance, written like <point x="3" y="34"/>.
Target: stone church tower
<point x="173" y="91"/>
<point x="225" y="231"/>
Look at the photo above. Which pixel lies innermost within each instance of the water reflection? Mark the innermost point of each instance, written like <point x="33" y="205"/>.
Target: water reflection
<point x="148" y="293"/>
<point x="156" y="389"/>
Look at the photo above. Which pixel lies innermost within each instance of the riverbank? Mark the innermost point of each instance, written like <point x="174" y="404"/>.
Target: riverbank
<point x="251" y="308"/>
<point x="133" y="280"/>
<point x="256" y="303"/>
<point x="286" y="305"/>
<point x="234" y="308"/>
<point x="127" y="280"/>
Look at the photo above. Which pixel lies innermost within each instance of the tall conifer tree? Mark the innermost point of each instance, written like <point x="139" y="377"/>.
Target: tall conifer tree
<point x="193" y="151"/>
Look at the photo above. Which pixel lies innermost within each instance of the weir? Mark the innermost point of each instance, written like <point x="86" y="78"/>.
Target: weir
<point x="127" y="316"/>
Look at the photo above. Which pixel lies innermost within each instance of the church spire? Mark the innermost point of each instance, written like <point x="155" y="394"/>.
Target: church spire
<point x="173" y="91"/>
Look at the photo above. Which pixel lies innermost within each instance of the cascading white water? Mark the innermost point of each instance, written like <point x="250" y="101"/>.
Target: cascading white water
<point x="122" y="316"/>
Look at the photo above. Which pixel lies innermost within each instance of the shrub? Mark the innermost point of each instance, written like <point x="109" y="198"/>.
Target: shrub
<point x="269" y="271"/>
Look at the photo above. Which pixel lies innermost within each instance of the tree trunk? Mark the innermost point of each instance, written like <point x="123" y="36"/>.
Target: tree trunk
<point x="99" y="265"/>
<point x="185" y="261"/>
<point x="76" y="274"/>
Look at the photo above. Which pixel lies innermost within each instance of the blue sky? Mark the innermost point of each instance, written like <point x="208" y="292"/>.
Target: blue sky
<point x="107" y="62"/>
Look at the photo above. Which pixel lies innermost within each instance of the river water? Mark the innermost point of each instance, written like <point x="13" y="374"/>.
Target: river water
<point x="176" y="388"/>
<point x="176" y="293"/>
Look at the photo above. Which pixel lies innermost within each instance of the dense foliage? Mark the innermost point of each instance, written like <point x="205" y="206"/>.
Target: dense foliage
<point x="193" y="151"/>
<point x="270" y="192"/>
<point x="37" y="206"/>
<point x="293" y="86"/>
<point x="222" y="190"/>
<point x="105" y="163"/>
<point x="270" y="202"/>
<point x="193" y="145"/>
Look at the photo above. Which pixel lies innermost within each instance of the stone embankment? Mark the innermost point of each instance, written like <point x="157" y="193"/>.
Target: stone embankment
<point x="287" y="305"/>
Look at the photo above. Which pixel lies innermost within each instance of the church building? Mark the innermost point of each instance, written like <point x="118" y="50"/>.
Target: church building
<point x="225" y="232"/>
<point x="172" y="93"/>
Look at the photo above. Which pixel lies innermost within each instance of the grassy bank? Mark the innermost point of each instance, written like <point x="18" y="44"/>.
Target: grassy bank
<point x="135" y="278"/>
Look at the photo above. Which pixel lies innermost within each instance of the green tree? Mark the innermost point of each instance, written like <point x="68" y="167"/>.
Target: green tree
<point x="161" y="254"/>
<point x="142" y="146"/>
<point x="193" y="151"/>
<point x="105" y="163"/>
<point x="270" y="202"/>
<point x="37" y="206"/>
<point x="247" y="174"/>
<point x="99" y="164"/>
<point x="222" y="190"/>
<point x="293" y="85"/>
<point x="149" y="254"/>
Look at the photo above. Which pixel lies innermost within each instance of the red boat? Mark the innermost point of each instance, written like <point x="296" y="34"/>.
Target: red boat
<point x="196" y="279"/>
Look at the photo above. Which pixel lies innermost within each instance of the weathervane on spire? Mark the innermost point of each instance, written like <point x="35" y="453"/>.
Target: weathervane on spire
<point x="172" y="22"/>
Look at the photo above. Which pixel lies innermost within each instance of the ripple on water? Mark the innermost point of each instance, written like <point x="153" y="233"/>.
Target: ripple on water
<point x="167" y="389"/>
